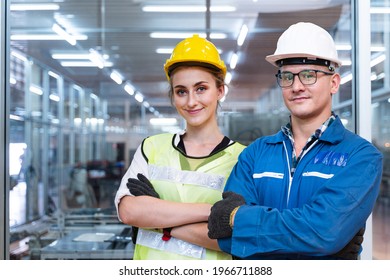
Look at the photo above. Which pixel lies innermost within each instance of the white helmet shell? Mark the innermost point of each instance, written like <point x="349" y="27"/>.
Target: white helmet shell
<point x="305" y="40"/>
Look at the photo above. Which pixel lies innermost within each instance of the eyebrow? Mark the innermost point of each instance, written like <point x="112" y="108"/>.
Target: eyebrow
<point x="196" y="84"/>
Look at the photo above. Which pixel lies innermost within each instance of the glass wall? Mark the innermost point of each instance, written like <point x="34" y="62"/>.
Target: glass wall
<point x="380" y="108"/>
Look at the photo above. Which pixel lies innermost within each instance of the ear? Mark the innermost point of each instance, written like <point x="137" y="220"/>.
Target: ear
<point x="335" y="83"/>
<point x="221" y="92"/>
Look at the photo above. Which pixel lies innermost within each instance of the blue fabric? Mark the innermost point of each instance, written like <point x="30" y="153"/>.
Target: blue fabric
<point x="315" y="213"/>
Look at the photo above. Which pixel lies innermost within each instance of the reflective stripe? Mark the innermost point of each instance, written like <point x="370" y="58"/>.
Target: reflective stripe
<point x="166" y="173"/>
<point x="268" y="174"/>
<point x="153" y="239"/>
<point x="318" y="174"/>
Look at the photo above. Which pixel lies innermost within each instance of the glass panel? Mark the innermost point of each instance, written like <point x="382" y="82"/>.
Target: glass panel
<point x="380" y="86"/>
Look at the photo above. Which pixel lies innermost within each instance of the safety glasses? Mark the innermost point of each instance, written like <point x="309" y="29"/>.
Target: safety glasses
<point x="307" y="77"/>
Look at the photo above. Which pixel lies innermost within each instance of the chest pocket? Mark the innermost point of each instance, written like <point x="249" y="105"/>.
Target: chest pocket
<point x="271" y="188"/>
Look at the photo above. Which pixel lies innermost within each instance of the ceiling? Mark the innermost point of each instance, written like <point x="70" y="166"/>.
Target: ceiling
<point x="121" y="30"/>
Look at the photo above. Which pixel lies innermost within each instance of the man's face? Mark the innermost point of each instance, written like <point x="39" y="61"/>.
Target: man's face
<point x="310" y="101"/>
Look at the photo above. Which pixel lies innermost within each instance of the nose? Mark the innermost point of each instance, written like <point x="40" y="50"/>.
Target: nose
<point x="297" y="84"/>
<point x="192" y="99"/>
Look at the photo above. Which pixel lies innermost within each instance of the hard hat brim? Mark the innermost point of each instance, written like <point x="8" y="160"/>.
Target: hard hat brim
<point x="273" y="59"/>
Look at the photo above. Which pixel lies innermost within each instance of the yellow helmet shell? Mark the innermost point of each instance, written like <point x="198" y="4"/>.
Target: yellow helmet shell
<point x="195" y="49"/>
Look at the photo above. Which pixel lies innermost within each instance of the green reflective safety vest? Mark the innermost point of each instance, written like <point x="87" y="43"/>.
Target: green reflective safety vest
<point x="180" y="178"/>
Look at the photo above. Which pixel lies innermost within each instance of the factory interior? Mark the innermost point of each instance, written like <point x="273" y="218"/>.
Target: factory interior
<point x="83" y="85"/>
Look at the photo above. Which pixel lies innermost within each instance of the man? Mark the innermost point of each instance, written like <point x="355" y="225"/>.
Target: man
<point x="306" y="191"/>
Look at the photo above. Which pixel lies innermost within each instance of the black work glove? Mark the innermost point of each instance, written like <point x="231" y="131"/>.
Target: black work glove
<point x="142" y="186"/>
<point x="351" y="250"/>
<point x="219" y="219"/>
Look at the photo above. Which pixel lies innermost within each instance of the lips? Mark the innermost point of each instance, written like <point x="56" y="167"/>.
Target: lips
<point x="193" y="112"/>
<point x="299" y="98"/>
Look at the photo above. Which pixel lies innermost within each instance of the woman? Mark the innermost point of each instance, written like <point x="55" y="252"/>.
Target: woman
<point x="187" y="170"/>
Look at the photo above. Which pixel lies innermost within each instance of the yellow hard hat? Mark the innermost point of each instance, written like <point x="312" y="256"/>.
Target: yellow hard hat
<point x="195" y="49"/>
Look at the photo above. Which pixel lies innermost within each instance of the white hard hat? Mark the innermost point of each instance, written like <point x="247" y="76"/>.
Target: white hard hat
<point x="305" y="43"/>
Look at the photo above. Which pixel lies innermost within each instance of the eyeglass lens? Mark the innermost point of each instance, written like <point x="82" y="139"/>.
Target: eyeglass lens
<point x="307" y="77"/>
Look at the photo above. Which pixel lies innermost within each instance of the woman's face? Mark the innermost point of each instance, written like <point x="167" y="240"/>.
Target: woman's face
<point x="195" y="95"/>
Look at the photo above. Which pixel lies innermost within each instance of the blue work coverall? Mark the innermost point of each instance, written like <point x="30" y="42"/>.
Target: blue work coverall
<point x="313" y="213"/>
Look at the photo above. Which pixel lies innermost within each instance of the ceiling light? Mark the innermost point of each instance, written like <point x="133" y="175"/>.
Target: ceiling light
<point x="53" y="74"/>
<point x="345" y="79"/>
<point x="187" y="9"/>
<point x="183" y="35"/>
<point x="378" y="60"/>
<point x="164" y="50"/>
<point x="343" y="47"/>
<point x="146" y="104"/>
<point x="65" y="35"/>
<point x="18" y="56"/>
<point x="83" y="64"/>
<point x="233" y="61"/>
<point x="96" y="58"/>
<point x="36" y="89"/>
<point x="73" y="56"/>
<point x="116" y="77"/>
<point x="139" y="97"/>
<point x="129" y="89"/>
<point x="35" y="7"/>
<point x="54" y="97"/>
<point x="228" y="78"/>
<point x="380" y="10"/>
<point x="45" y="37"/>
<point x="242" y="35"/>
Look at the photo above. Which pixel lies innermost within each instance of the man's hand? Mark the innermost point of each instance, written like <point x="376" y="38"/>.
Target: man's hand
<point x="352" y="249"/>
<point x="142" y="186"/>
<point x="219" y="219"/>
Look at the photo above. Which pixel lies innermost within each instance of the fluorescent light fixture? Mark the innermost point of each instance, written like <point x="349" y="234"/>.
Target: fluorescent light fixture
<point x="343" y="47"/>
<point x="163" y="121"/>
<point x="186" y="9"/>
<point x="94" y="96"/>
<point x="44" y="37"/>
<point x="378" y="60"/>
<point x="65" y="35"/>
<point x="129" y="89"/>
<point x="346" y="62"/>
<point x="228" y="78"/>
<point x="139" y="97"/>
<point x="54" y="97"/>
<point x="242" y="35"/>
<point x="73" y="56"/>
<point x="146" y="104"/>
<point x="183" y="35"/>
<point x="378" y="48"/>
<point x="116" y="77"/>
<point x="36" y="89"/>
<point x="35" y="7"/>
<point x="164" y="50"/>
<point x="151" y="109"/>
<point x="18" y="56"/>
<point x="345" y="79"/>
<point x="380" y="10"/>
<point x="381" y="76"/>
<point x="96" y="58"/>
<point x="233" y="61"/>
<point x="83" y="64"/>
<point x="54" y="75"/>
